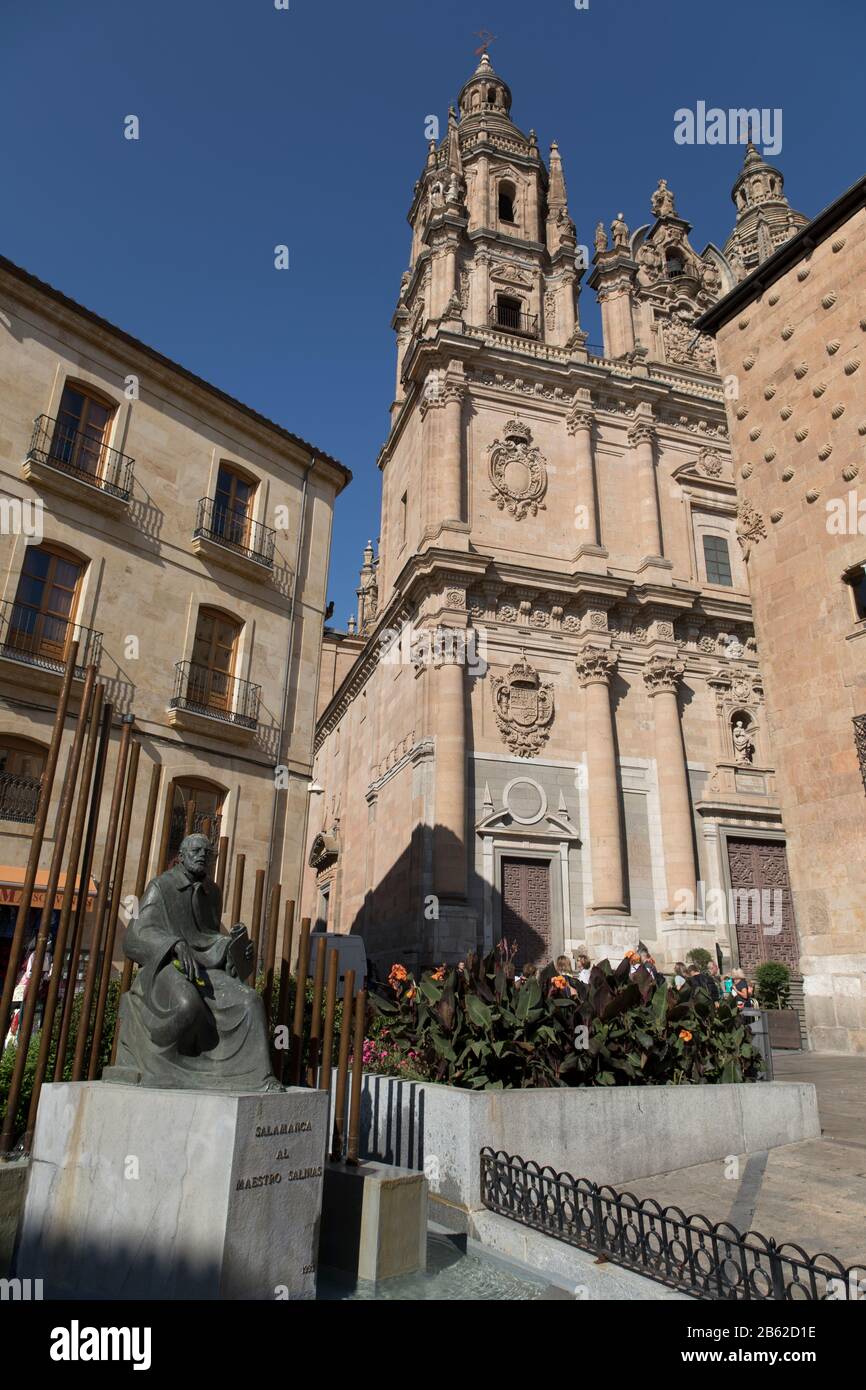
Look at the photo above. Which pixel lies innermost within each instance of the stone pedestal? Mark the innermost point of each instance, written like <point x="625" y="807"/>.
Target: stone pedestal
<point x="149" y="1194"/>
<point x="374" y="1224"/>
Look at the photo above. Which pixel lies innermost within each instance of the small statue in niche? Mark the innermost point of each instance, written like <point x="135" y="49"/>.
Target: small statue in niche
<point x="744" y="747"/>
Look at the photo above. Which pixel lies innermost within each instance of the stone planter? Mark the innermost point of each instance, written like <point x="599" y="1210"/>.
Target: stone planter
<point x="608" y="1134"/>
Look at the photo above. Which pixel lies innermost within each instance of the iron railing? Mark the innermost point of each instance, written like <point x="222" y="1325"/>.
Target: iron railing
<point x="202" y="690"/>
<point x="82" y="454"/>
<point x="19" y="797"/>
<point x="41" y="639"/>
<point x="507" y="317"/>
<point x="710" y="1260"/>
<point x="232" y="528"/>
<point x="860" y="743"/>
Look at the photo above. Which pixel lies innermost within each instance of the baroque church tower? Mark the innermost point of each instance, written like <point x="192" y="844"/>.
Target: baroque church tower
<point x="549" y="725"/>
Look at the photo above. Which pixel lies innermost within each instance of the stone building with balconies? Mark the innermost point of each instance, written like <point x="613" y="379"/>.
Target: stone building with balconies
<point x="554" y="728"/>
<point x="179" y="541"/>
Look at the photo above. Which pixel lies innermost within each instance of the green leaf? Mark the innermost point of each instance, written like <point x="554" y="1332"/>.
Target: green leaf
<point x="478" y="1012"/>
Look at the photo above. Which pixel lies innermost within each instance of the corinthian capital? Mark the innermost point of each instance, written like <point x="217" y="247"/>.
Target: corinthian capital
<point x="579" y="420"/>
<point x="662" y="675"/>
<point x="641" y="432"/>
<point x="595" y="666"/>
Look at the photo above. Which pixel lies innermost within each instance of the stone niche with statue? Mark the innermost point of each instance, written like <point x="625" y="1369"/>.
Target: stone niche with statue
<point x="743" y="765"/>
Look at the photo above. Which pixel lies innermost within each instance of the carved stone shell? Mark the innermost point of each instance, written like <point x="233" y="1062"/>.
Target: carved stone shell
<point x="850" y="472"/>
<point x="825" y="452"/>
<point x="800" y="372"/>
<point x="819" y="388"/>
<point x="813" y="494"/>
<point x="755" y="433"/>
<point x="800" y="435"/>
<point x="769" y="392"/>
<point x="786" y="412"/>
<point x="833" y="346"/>
<point x="829" y="300"/>
<point x="776" y="516"/>
<point x="787" y="475"/>
<point x="837" y="410"/>
<point x="851" y="366"/>
<point x="788" y="331"/>
<point x="769" y="455"/>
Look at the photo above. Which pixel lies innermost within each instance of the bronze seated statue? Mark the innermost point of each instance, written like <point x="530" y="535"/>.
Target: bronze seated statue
<point x="189" y="1020"/>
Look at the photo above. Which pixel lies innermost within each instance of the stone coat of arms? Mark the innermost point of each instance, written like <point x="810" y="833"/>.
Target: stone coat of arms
<point x="518" y="472"/>
<point x="523" y="706"/>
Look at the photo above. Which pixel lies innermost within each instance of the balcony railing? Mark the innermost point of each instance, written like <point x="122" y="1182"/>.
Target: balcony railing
<point x="217" y="522"/>
<point x="201" y="690"/>
<point x="40" y="639"/>
<point x="860" y="744"/>
<point x="82" y="455"/>
<point x="19" y="797"/>
<point x="504" y="316"/>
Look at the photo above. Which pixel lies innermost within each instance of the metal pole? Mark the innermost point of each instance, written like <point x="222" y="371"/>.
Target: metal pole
<point x="357" y="1076"/>
<point x="258" y="895"/>
<point x="343" y="1067"/>
<point x="330" y="1013"/>
<point x="285" y="975"/>
<point x="66" y="909"/>
<point x="138" y="891"/>
<point x="61" y="827"/>
<point x="116" y="890"/>
<point x="316" y="1015"/>
<point x="221" y="864"/>
<point x="237" y="895"/>
<point x="270" y="952"/>
<point x="36" y="843"/>
<point x="297" y="1047"/>
<point x="101" y="901"/>
<point x="84" y="886"/>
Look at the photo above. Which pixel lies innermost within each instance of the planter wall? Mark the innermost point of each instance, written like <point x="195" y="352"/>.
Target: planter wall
<point x="607" y="1134"/>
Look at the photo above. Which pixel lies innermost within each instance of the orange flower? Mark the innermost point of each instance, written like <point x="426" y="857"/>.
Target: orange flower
<point x="559" y="982"/>
<point x="439" y="973"/>
<point x="685" y="1035"/>
<point x="396" y="976"/>
<point x="410" y="994"/>
<point x="632" y="955"/>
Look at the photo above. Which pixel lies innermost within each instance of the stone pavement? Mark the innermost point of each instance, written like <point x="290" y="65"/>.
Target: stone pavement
<point x="812" y="1194"/>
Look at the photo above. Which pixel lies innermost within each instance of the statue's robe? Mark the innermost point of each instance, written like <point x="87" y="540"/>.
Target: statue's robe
<point x="173" y="1031"/>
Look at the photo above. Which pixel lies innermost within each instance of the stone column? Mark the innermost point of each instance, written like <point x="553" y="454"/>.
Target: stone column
<point x="579" y="424"/>
<point x="449" y="846"/>
<point x="451" y="451"/>
<point x="662" y="677"/>
<point x="595" y="667"/>
<point x="641" y="438"/>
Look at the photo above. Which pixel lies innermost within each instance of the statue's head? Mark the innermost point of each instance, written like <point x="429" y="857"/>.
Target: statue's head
<point x="195" y="855"/>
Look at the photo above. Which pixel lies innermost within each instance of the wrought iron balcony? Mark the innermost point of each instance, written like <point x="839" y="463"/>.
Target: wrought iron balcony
<point x="505" y="316"/>
<point x="860" y="743"/>
<point x="19" y="797"/>
<point x="81" y="455"/>
<point x="43" y="640"/>
<point x="201" y="690"/>
<point x="232" y="528"/>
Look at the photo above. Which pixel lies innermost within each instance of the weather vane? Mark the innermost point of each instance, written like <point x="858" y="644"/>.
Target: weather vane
<point x="486" y="40"/>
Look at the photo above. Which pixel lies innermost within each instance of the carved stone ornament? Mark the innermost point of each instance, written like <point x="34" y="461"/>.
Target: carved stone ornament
<point x="518" y="473"/>
<point x="710" y="462"/>
<point x="663" y="675"/>
<point x="523" y="707"/>
<point x="750" y="527"/>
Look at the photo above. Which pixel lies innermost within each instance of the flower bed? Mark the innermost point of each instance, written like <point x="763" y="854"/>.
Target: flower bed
<point x="477" y="1027"/>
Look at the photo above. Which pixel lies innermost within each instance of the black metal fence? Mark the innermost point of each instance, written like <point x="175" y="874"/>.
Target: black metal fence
<point x="83" y="454"/>
<point x="711" y="1260"/>
<point x="231" y="527"/>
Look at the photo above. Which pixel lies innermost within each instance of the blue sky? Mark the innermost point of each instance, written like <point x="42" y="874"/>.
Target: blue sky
<point x="306" y="127"/>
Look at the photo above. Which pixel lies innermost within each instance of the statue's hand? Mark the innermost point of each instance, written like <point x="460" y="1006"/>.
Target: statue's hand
<point x="186" y="958"/>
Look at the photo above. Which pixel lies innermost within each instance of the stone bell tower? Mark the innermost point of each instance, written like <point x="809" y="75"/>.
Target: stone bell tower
<point x="534" y="741"/>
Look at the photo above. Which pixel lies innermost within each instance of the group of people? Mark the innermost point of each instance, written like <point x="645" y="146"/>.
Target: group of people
<point x="733" y="985"/>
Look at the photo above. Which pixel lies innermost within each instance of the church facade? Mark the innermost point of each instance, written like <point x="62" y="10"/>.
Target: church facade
<point x="548" y="723"/>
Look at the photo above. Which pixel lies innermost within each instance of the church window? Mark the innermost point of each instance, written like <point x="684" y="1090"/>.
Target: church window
<point x="491" y="96"/>
<point x="507" y="193"/>
<point x="675" y="265"/>
<point x="718" y="561"/>
<point x="233" y="505"/>
<point x="508" y="312"/>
